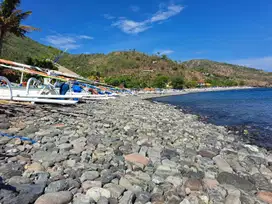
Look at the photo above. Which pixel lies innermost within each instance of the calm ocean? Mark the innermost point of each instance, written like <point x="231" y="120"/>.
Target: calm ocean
<point x="250" y="109"/>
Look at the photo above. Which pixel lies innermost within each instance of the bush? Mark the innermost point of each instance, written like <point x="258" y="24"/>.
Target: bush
<point x="160" y="82"/>
<point x="191" y="84"/>
<point x="42" y="63"/>
<point x="126" y="81"/>
<point x="164" y="57"/>
<point x="177" y="82"/>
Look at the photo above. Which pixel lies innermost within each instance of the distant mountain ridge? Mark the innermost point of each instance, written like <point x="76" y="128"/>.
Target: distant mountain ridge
<point x="255" y="77"/>
<point x="139" y="65"/>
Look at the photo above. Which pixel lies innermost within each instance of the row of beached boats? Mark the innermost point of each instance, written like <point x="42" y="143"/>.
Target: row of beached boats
<point x="67" y="89"/>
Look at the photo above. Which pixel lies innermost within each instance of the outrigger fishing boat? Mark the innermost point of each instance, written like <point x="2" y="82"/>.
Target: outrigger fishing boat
<point x="46" y="93"/>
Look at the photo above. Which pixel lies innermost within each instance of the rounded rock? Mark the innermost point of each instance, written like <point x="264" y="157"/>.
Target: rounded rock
<point x="96" y="193"/>
<point x="62" y="197"/>
<point x="265" y="196"/>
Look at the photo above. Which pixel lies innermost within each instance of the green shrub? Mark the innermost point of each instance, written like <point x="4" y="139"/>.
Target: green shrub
<point x="42" y="63"/>
<point x="160" y="82"/>
<point x="191" y="84"/>
<point x="177" y="82"/>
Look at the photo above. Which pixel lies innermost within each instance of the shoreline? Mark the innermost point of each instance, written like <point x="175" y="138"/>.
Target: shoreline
<point x="248" y="137"/>
<point x="127" y="150"/>
<point x="195" y="90"/>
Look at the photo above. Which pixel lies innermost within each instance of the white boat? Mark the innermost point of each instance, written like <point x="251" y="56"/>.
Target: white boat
<point x="32" y="95"/>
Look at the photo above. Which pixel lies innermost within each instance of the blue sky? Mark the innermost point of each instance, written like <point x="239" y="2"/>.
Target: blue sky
<point x="235" y="31"/>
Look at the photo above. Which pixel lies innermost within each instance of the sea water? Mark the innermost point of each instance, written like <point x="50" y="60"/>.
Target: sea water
<point x="248" y="108"/>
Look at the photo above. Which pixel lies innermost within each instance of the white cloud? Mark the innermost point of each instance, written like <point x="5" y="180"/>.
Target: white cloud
<point x="165" y="14"/>
<point x="134" y="27"/>
<point x="70" y="42"/>
<point x="164" y="52"/>
<point x="85" y="37"/>
<point x="264" y="63"/>
<point x="135" y="8"/>
<point x="131" y="27"/>
<point x="61" y="41"/>
<point x="108" y="16"/>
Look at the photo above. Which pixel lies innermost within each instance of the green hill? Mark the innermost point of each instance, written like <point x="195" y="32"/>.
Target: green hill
<point x="136" y="69"/>
<point x="215" y="70"/>
<point x="19" y="49"/>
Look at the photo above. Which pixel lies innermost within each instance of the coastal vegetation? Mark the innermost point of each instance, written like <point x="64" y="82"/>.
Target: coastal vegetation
<point x="133" y="69"/>
<point x="10" y="20"/>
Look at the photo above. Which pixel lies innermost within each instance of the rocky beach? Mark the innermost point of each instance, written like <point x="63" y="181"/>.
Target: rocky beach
<point x="128" y="151"/>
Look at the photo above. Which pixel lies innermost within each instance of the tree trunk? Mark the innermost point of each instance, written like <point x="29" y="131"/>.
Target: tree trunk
<point x="1" y="42"/>
<point x="1" y="45"/>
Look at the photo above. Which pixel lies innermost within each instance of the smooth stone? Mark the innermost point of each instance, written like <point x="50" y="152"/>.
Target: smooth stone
<point x="19" y="180"/>
<point x="157" y="198"/>
<point x="137" y="177"/>
<point x="204" y="199"/>
<point x="167" y="162"/>
<point x="172" y="197"/>
<point x="157" y="179"/>
<point x="35" y="167"/>
<point x="246" y="199"/>
<point x="125" y="183"/>
<point x="44" y="156"/>
<point x="9" y="170"/>
<point x="116" y="190"/>
<point x="103" y="200"/>
<point x="62" y="197"/>
<point x="128" y="198"/>
<point x="42" y="177"/>
<point x="265" y="196"/>
<point x="187" y="191"/>
<point x="238" y="182"/>
<point x="28" y="193"/>
<point x="4" y="140"/>
<point x="176" y="181"/>
<point x="154" y="154"/>
<point x="195" y="175"/>
<point x="81" y="199"/>
<point x="222" y="164"/>
<point x="71" y="163"/>
<point x="185" y="201"/>
<point x="65" y="146"/>
<point x="194" y="184"/>
<point x="261" y="182"/>
<point x="107" y="178"/>
<point x="207" y="153"/>
<point x="163" y="170"/>
<point x="217" y="195"/>
<point x="210" y="183"/>
<point x="89" y="175"/>
<point x="96" y="193"/>
<point x="4" y="126"/>
<point x="252" y="148"/>
<point x="56" y="186"/>
<point x="169" y="153"/>
<point x="8" y="196"/>
<point x="113" y="201"/>
<point x="142" y="198"/>
<point x="194" y="200"/>
<point x="86" y="185"/>
<point x="137" y="158"/>
<point x="233" y="197"/>
<point x="143" y="150"/>
<point x="61" y="185"/>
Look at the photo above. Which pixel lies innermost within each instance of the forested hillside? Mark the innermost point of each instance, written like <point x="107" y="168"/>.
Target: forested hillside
<point x="136" y="69"/>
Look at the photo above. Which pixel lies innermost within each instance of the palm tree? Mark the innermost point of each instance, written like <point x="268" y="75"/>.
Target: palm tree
<point x="10" y="20"/>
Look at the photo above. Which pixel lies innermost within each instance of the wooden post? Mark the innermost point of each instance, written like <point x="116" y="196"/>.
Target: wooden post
<point x="22" y="78"/>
